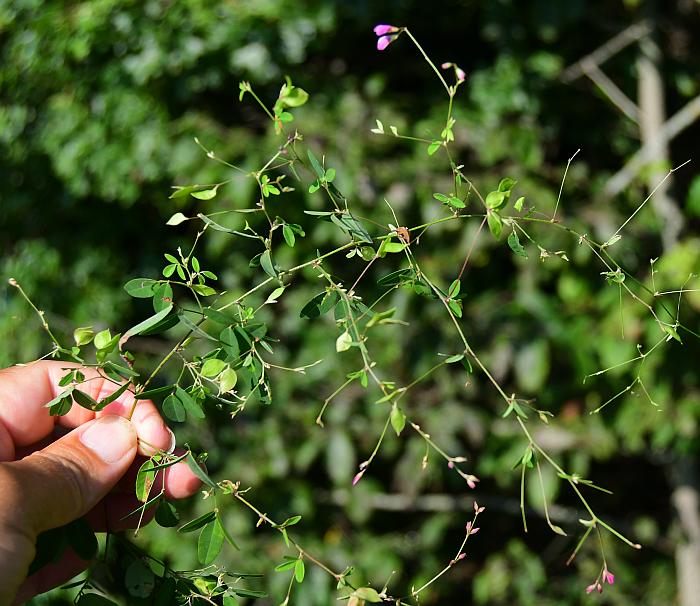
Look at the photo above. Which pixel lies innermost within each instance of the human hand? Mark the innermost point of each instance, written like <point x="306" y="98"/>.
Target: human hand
<point x="54" y="470"/>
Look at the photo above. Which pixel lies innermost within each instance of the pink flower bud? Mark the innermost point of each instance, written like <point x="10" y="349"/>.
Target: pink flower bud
<point x="450" y="464"/>
<point x="384" y="41"/>
<point x="446" y="65"/>
<point x="358" y="477"/>
<point x="608" y="577"/>
<point x="471" y="481"/>
<point x="460" y="74"/>
<point x="590" y="588"/>
<point x="383" y="29"/>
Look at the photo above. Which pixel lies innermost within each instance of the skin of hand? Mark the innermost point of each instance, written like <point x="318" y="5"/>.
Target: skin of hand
<point x="54" y="470"/>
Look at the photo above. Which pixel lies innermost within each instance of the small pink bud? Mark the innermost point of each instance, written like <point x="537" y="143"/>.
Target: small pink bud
<point x="608" y="577"/>
<point x="450" y="464"/>
<point x="384" y="41"/>
<point x="446" y="65"/>
<point x="383" y="29"/>
<point x="591" y="588"/>
<point x="358" y="477"/>
<point x="599" y="587"/>
<point x="460" y="74"/>
<point x="471" y="481"/>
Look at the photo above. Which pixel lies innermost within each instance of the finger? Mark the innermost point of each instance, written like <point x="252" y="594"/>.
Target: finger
<point x="50" y="576"/>
<point x="24" y="390"/>
<point x="70" y="476"/>
<point x="180" y="481"/>
<point x="118" y="512"/>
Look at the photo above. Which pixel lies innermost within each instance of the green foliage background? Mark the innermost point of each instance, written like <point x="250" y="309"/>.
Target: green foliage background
<point x="99" y="104"/>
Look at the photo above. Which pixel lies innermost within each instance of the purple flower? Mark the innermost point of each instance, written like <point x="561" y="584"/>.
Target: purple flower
<point x="358" y="477"/>
<point x="387" y="34"/>
<point x="383" y="29"/>
<point x="384" y="41"/>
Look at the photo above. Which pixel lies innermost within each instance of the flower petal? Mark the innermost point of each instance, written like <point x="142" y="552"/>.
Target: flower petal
<point x="383" y="29"/>
<point x="383" y="42"/>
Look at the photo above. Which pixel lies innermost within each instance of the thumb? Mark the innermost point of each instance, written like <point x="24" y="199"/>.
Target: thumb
<point x="65" y="480"/>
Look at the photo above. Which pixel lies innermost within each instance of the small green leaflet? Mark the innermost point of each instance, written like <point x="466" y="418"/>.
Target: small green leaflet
<point x="515" y="246"/>
<point x="398" y="419"/>
<point x="198" y="522"/>
<point x="212" y="367"/>
<point x="299" y="570"/>
<point x="343" y="342"/>
<point x="205" y="194"/>
<point x="368" y="594"/>
<point x="146" y="324"/>
<point x="210" y="542"/>
<point x="144" y="480"/>
<point x="266" y="264"/>
<point x="495" y="223"/>
<point x="288" y="234"/>
<point x="176" y="219"/>
<point x="197" y="470"/>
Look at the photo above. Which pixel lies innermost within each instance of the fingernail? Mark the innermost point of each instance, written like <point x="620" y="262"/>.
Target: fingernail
<point x="173" y="441"/>
<point x="110" y="437"/>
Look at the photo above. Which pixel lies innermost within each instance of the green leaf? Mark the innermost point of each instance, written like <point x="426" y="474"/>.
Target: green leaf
<point x="519" y="203"/>
<point x="212" y="367"/>
<point x="140" y="288"/>
<point x="84" y="400"/>
<point x="198" y="522"/>
<point x="453" y="291"/>
<point x="61" y="405"/>
<point x="199" y="472"/>
<point x="144" y="480"/>
<point x="227" y="535"/>
<point x="162" y="296"/>
<point x="173" y="409"/>
<point x="330" y="175"/>
<point x="139" y="580"/>
<point x="398" y="419"/>
<point x="368" y="594"/>
<point x="82" y="538"/>
<point x="166" y="515"/>
<point x="113" y="396"/>
<point x="210" y="542"/>
<point x="394" y="247"/>
<point x="433" y="147"/>
<point x="352" y="225"/>
<point x="192" y="407"/>
<point x="205" y="194"/>
<point x="103" y="339"/>
<point x="227" y="380"/>
<point x="496" y="200"/>
<point x="83" y="335"/>
<point x="274" y="295"/>
<point x="672" y="332"/>
<point x="176" y="219"/>
<point x="299" y="570"/>
<point x="515" y="246"/>
<point x="204" y="290"/>
<point x="456" y="202"/>
<point x="288" y="234"/>
<point x="183" y="190"/>
<point x="145" y="324"/>
<point x="312" y="308"/>
<point x="266" y="264"/>
<point x="343" y="342"/>
<point x="287" y="565"/>
<point x="441" y="198"/>
<point x="506" y="185"/>
<point x="495" y="224"/>
<point x="454" y="358"/>
<point x="318" y="169"/>
<point x="455" y="306"/>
